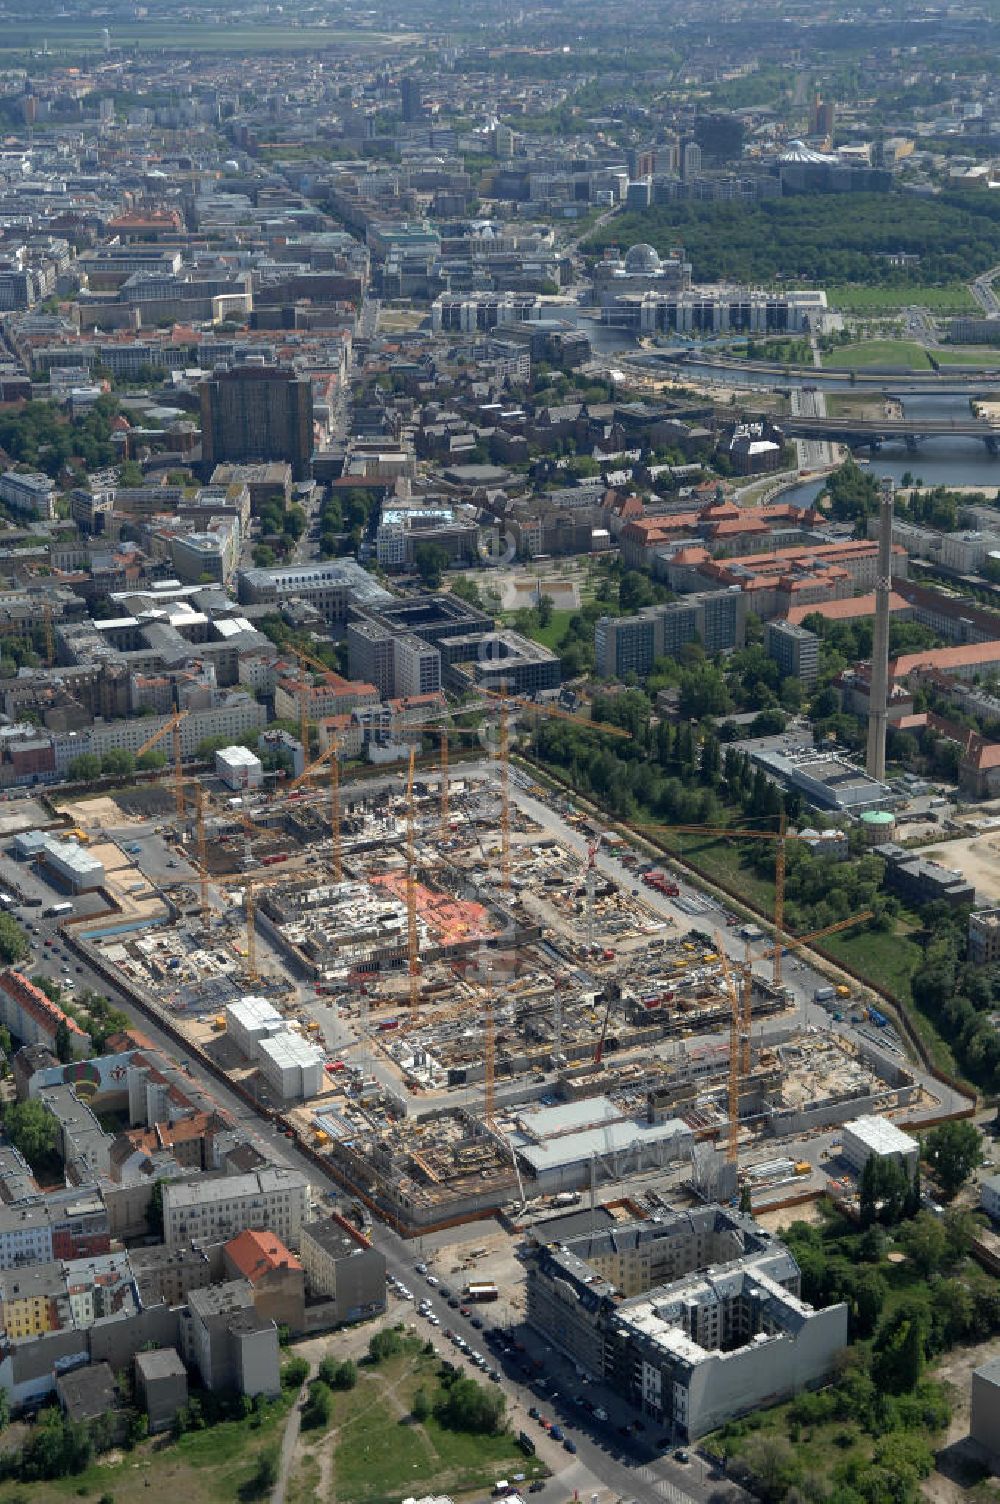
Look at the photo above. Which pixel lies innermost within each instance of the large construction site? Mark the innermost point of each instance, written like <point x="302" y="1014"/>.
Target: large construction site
<point x="457" y="989"/>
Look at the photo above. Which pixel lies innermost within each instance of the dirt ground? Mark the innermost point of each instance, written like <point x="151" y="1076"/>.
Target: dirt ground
<point x="978" y="859"/>
<point x="948" y="1485"/>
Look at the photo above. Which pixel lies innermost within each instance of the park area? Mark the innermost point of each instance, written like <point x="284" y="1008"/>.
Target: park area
<point x="898" y="353"/>
<point x="384" y="1439"/>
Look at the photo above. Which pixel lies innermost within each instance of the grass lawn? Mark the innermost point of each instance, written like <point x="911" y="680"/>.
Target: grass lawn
<point x="952" y="298"/>
<point x="191" y="36"/>
<point x="204" y="1467"/>
<point x="878" y="352"/>
<point x="374" y="1452"/>
<point x="977" y="355"/>
<point x="551" y="635"/>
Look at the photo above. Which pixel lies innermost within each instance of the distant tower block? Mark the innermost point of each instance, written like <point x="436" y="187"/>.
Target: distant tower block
<point x="878" y="704"/>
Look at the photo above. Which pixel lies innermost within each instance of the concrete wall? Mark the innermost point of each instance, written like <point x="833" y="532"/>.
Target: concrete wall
<point x="730" y="1384"/>
<point x="984" y="1418"/>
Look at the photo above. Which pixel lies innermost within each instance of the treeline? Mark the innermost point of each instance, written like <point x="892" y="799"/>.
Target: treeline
<point x="958" y="996"/>
<point x="39" y="436"/>
<point x="822" y="238"/>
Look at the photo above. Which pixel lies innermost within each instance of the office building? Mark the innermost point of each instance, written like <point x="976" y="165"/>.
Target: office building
<point x="632" y="644"/>
<point x="412" y="100"/>
<point x="334" y="587"/>
<point x="919" y="880"/>
<point x="869" y="1137"/>
<point x="794" y="649"/>
<point x="707" y="310"/>
<point x="694" y="1319"/>
<point x="720" y="137"/>
<point x="690" y="160"/>
<point x="254" y="413"/>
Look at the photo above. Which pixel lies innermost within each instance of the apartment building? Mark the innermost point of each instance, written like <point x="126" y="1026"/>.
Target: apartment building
<point x="794" y="649"/>
<point x="695" y="1320"/>
<point x="632" y="644"/>
<point x="212" y="1210"/>
<point x="342" y="1266"/>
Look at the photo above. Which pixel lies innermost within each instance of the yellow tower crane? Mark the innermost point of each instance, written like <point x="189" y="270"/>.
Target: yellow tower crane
<point x="735" y="1055"/>
<point x="413" y="961"/>
<point x="780" y="837"/>
<point x="503" y="750"/>
<point x="174" y="726"/>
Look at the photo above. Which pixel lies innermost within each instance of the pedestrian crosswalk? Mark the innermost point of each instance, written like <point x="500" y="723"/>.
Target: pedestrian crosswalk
<point x="662" y="1487"/>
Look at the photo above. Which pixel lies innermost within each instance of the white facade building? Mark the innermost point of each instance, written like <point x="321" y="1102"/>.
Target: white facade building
<point x="874" y="1135"/>
<point x="291" y="1065"/>
<point x="239" y="768"/>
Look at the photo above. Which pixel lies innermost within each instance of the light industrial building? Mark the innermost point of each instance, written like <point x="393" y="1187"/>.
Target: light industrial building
<point x="695" y="1318"/>
<point x="874" y="1136"/>
<point x="291" y="1065"/>
<point x="78" y="870"/>
<point x="563" y="1147"/>
<point x="239" y="768"/>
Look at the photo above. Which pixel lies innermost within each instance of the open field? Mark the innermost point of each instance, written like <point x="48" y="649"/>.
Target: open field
<point x="77" y="37"/>
<point x="968" y="355"/>
<point x="854" y="298"/>
<point x="213" y="1466"/>
<point x="878" y="352"/>
<point x="375" y="1451"/>
<point x="978" y="857"/>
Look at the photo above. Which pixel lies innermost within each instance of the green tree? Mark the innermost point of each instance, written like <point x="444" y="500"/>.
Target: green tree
<point x="63" y="1042"/>
<point x="318" y="1407"/>
<point x="85" y="768"/>
<point x="420" y="1408"/>
<point x="431" y="560"/>
<point x="151" y="761"/>
<point x="294" y="1373"/>
<point x="14" y="945"/>
<point x="32" y="1129"/>
<point x="117" y="763"/>
<point x="901" y="1349"/>
<point x="384" y="1344"/>
<point x="953" y="1150"/>
<point x="925" y="1242"/>
<point x="467" y="1406"/>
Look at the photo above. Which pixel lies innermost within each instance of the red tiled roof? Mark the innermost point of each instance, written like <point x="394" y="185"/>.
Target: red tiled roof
<point x="256" y="1254"/>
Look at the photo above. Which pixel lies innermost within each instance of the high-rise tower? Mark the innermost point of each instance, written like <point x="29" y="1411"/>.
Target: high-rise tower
<point x="878" y="703"/>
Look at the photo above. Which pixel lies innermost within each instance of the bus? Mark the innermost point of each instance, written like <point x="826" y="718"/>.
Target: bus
<point x="480" y="1291"/>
